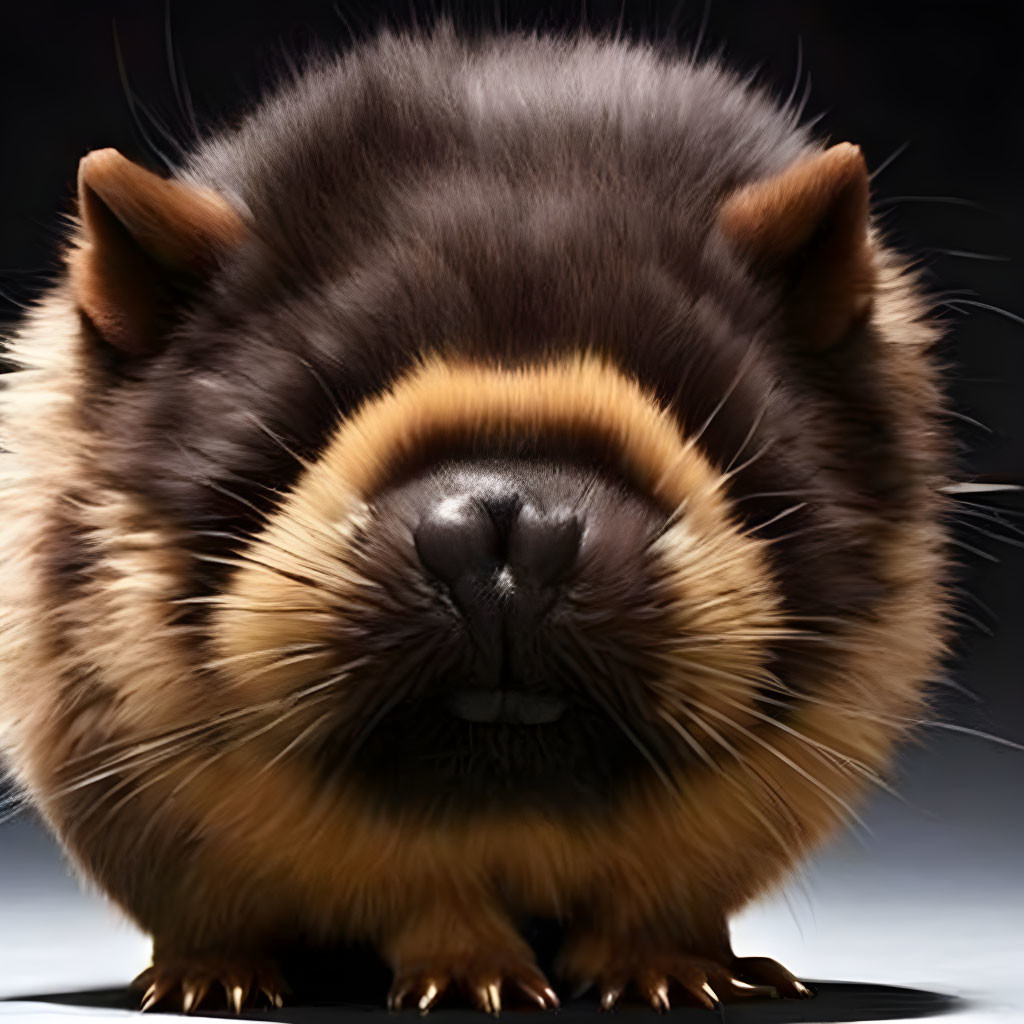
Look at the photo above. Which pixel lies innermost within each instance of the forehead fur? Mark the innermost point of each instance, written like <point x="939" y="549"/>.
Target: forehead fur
<point x="402" y="115"/>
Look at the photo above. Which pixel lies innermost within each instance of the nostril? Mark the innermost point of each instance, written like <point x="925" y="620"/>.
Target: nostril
<point x="457" y="539"/>
<point x="543" y="546"/>
<point x="464" y="539"/>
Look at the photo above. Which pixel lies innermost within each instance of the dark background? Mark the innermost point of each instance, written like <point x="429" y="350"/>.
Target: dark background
<point x="933" y="92"/>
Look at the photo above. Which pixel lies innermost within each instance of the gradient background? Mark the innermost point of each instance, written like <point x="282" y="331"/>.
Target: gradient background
<point x="934" y="896"/>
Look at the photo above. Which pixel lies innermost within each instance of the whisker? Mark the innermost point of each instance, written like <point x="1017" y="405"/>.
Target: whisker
<point x="894" y="155"/>
<point x="988" y="556"/>
<point x="774" y="519"/>
<point x="965" y="255"/>
<point x="744" y="465"/>
<point x="232" y="659"/>
<point x="779" y="803"/>
<point x="751" y="432"/>
<point x="799" y="769"/>
<point x="823" y="750"/>
<point x="276" y="438"/>
<point x="745" y="363"/>
<point x="991" y="515"/>
<point x="1015" y="317"/>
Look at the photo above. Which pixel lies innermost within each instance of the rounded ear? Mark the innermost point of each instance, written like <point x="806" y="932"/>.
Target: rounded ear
<point x="145" y="238"/>
<point x="808" y="229"/>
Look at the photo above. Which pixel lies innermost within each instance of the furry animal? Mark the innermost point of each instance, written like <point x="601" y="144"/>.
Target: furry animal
<point x="496" y="478"/>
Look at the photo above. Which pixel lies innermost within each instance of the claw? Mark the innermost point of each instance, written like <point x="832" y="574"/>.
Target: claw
<point x="189" y="980"/>
<point x="494" y="998"/>
<point x="154" y="994"/>
<point x="149" y="999"/>
<point x="610" y="996"/>
<point x="767" y="971"/>
<point x="710" y="993"/>
<point x="476" y="979"/>
<point x="429" y="997"/>
<point x="482" y="998"/>
<point x="527" y="989"/>
<point x="272" y="997"/>
<point x="659" y="998"/>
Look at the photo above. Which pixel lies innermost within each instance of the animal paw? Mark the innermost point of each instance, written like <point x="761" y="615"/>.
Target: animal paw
<point x="185" y="984"/>
<point x="659" y="978"/>
<point x="484" y="980"/>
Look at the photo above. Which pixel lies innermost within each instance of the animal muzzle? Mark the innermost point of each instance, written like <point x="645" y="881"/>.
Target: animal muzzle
<point x="501" y="555"/>
<point x="514" y="549"/>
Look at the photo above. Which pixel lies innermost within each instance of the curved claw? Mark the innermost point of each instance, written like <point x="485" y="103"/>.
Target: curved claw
<point x="157" y="992"/>
<point x="190" y="981"/>
<point x="659" y="998"/>
<point x="488" y="997"/>
<point x="610" y="996"/>
<point x="762" y="970"/>
<point x="272" y="997"/>
<point x="424" y="989"/>
<point x="711" y="994"/>
<point x="429" y="997"/>
<point x="235" y="996"/>
<point x="702" y="981"/>
<point x="485" y="984"/>
<point x="396" y="997"/>
<point x="551" y="999"/>
<point x="189" y="998"/>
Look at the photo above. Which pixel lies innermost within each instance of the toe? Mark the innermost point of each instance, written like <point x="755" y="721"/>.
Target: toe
<point x="533" y="986"/>
<point x="419" y="990"/>
<point x="610" y="994"/>
<point x="186" y="984"/>
<point x="486" y="995"/>
<point x="695" y="983"/>
<point x="193" y="992"/>
<point x="430" y="994"/>
<point x="762" y="970"/>
<point x="236" y="991"/>
<point x="158" y="990"/>
<point x="486" y="983"/>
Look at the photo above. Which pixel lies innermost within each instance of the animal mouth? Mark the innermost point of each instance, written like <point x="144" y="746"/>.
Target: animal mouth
<point x="520" y="707"/>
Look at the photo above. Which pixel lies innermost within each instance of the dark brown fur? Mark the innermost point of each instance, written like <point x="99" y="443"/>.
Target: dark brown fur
<point x="466" y="217"/>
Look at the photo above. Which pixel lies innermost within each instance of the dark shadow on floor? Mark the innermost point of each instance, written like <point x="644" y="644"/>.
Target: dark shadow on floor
<point x="353" y="981"/>
<point x="835" y="1001"/>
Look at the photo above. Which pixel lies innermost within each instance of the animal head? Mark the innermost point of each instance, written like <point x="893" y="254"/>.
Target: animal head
<point x="510" y="458"/>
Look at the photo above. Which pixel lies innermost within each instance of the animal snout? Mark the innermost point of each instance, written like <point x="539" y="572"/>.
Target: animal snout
<point x="496" y="549"/>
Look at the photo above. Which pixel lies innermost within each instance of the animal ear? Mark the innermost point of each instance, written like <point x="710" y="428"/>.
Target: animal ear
<point x="807" y="228"/>
<point x="146" y="240"/>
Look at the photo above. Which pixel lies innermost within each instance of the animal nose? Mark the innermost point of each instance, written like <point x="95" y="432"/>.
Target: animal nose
<point x="466" y="541"/>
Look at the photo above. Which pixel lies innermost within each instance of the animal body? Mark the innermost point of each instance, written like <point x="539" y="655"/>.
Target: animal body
<point x="496" y="478"/>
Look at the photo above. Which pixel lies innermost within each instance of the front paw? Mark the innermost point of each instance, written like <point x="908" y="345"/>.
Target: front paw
<point x="657" y="977"/>
<point x="184" y="984"/>
<point x="484" y="978"/>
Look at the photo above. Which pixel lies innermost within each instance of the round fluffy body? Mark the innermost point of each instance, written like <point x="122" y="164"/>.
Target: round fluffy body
<point x="463" y="251"/>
